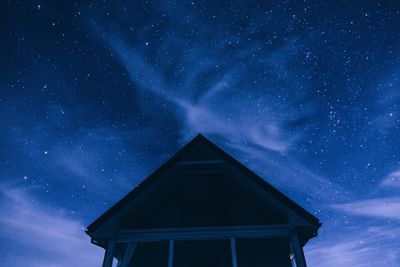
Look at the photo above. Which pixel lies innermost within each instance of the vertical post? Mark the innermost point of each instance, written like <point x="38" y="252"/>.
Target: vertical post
<point x="130" y="249"/>
<point x="171" y="253"/>
<point x="109" y="255"/>
<point x="298" y="251"/>
<point x="233" y="250"/>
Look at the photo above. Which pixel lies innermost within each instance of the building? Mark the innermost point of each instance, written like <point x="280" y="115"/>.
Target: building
<point x="204" y="208"/>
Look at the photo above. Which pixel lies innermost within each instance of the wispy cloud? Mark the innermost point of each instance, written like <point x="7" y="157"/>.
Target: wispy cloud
<point x="392" y="180"/>
<point x="387" y="115"/>
<point x="368" y="246"/>
<point x="75" y="161"/>
<point x="384" y="208"/>
<point x="250" y="122"/>
<point x="89" y="164"/>
<point x="197" y="92"/>
<point x="41" y="235"/>
<point x="202" y="87"/>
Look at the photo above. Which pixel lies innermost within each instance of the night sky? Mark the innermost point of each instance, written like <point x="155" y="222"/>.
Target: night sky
<point x="95" y="95"/>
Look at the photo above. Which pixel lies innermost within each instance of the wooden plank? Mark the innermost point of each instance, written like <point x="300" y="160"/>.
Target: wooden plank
<point x="109" y="255"/>
<point x="233" y="251"/>
<point x="297" y="251"/>
<point x="130" y="249"/>
<point x="171" y="253"/>
<point x="199" y="233"/>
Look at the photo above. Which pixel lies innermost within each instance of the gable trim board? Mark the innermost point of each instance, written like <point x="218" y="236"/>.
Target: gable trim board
<point x="268" y="188"/>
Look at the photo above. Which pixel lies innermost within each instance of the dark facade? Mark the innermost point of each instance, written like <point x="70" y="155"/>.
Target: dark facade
<point x="204" y="208"/>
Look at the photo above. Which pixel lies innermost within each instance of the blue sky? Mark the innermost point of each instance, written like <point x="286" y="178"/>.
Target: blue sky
<point x="95" y="95"/>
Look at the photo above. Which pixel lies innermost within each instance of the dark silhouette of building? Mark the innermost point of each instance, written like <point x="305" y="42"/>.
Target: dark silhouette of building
<point x="204" y="208"/>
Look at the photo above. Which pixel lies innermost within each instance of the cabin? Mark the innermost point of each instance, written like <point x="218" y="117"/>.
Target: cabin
<point x="204" y="208"/>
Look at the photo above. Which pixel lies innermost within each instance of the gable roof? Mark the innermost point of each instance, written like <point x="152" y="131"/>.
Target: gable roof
<point x="235" y="163"/>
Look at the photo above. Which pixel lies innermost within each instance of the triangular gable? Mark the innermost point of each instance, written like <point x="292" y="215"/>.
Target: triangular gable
<point x="202" y="141"/>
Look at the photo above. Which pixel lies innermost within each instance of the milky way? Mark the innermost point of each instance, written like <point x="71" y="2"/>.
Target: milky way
<point x="94" y="95"/>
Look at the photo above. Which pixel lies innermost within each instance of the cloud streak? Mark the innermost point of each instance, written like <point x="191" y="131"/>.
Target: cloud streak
<point x="251" y="123"/>
<point x="36" y="235"/>
<point x="383" y="208"/>
<point x="204" y="89"/>
<point x="392" y="180"/>
<point x="368" y="246"/>
<point x="200" y="90"/>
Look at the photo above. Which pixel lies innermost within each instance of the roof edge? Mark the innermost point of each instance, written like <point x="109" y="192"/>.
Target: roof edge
<point x="237" y="164"/>
<point x="137" y="189"/>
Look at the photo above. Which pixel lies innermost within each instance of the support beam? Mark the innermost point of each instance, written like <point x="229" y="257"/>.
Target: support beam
<point x="233" y="250"/>
<point x="130" y="249"/>
<point x="198" y="233"/>
<point x="171" y="253"/>
<point x="109" y="255"/>
<point x="297" y="251"/>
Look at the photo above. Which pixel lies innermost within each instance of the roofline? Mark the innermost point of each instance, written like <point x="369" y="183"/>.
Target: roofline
<point x="261" y="182"/>
<point x="246" y="171"/>
<point x="141" y="186"/>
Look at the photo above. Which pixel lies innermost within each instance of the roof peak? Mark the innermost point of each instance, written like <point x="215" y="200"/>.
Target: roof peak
<point x="200" y="138"/>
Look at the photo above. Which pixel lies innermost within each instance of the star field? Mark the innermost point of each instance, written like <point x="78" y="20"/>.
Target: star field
<point x="94" y="95"/>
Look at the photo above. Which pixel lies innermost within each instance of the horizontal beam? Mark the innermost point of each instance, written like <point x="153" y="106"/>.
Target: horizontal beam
<point x="198" y="233"/>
